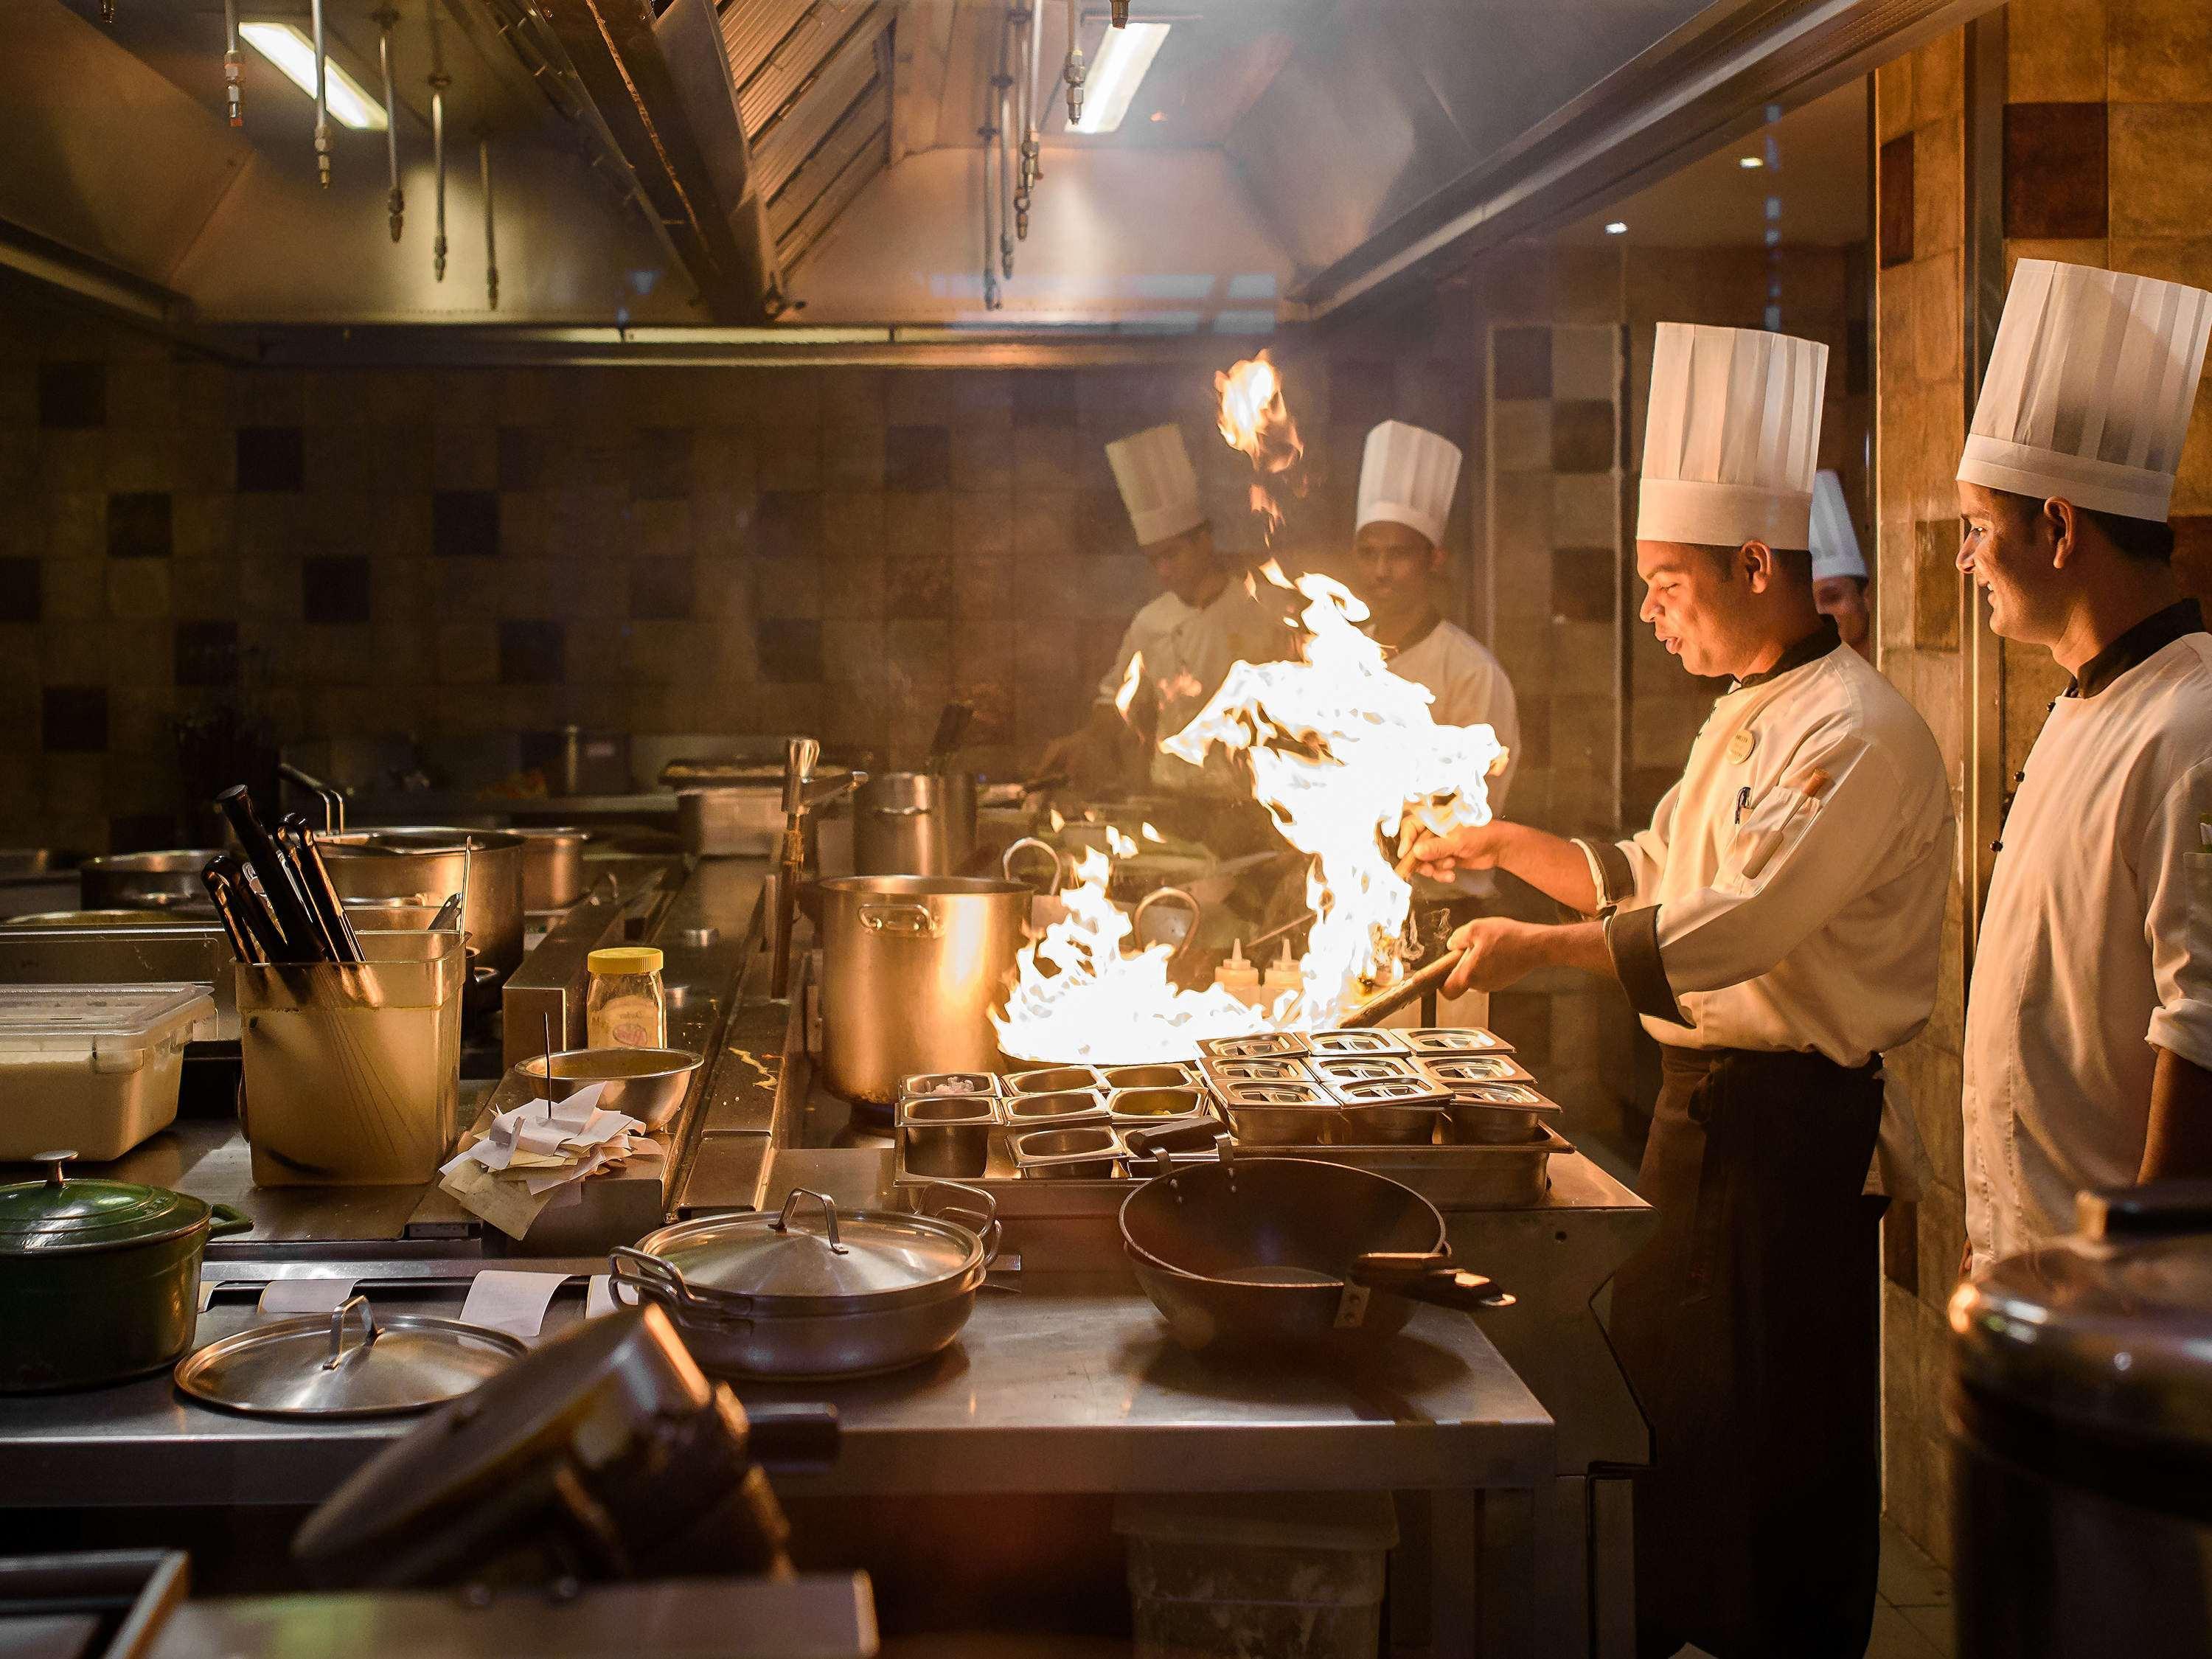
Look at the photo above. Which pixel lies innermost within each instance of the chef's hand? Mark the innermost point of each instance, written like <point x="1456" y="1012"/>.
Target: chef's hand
<point x="1440" y="857"/>
<point x="1497" y="952"/>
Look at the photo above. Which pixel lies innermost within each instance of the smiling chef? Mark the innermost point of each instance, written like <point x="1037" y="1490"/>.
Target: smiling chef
<point x="1406" y="478"/>
<point x="1778" y="928"/>
<point x="2088" y="1053"/>
<point x="1180" y="646"/>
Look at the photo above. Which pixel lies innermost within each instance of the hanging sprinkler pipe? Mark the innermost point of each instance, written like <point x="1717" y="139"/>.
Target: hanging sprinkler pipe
<point x="1006" y="178"/>
<point x="1038" y="95"/>
<point x="491" y="245"/>
<point x="439" y="82"/>
<point x="990" y="197"/>
<point x="396" y="202"/>
<point x="322" y="99"/>
<point x="233" y="65"/>
<point x="1074" y="72"/>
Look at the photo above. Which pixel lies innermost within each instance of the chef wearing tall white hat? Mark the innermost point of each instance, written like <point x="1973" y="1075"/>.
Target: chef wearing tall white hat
<point x="1777" y="927"/>
<point x="1839" y="573"/>
<point x="1406" y="478"/>
<point x="1178" y="648"/>
<point x="2088" y="1053"/>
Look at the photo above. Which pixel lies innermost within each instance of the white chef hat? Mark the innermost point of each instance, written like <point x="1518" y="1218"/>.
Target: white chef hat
<point x="1835" y="543"/>
<point x="2089" y="388"/>
<point x="1734" y="433"/>
<point x="1159" y="485"/>
<point x="1407" y="476"/>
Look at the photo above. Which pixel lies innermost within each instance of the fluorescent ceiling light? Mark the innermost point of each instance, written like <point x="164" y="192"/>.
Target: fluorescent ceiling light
<point x="1617" y="227"/>
<point x="1122" y="60"/>
<point x="292" y="49"/>
<point x="1751" y="163"/>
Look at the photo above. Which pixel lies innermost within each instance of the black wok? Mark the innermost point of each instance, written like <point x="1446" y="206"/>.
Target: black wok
<point x="1276" y="1252"/>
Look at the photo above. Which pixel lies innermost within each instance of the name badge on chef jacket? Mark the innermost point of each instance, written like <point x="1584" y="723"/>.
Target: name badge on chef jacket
<point x="1740" y="745"/>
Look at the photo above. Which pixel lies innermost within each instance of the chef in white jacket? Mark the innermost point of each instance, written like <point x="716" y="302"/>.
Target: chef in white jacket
<point x="1777" y="927"/>
<point x="1407" y="477"/>
<point x="2088" y="1052"/>
<point x="1839" y="572"/>
<point x="1178" y="648"/>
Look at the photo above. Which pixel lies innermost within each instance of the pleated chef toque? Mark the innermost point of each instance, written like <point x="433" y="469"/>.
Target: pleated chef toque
<point x="2090" y="390"/>
<point x="1159" y="485"/>
<point x="1407" y="478"/>
<point x="1835" y="543"/>
<point x="1730" y="444"/>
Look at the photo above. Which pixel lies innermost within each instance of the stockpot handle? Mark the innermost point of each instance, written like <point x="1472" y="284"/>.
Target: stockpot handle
<point x="970" y="1206"/>
<point x="899" y="920"/>
<point x="339" y="1319"/>
<point x="1428" y="1278"/>
<point x="1166" y="894"/>
<point x="224" y="1220"/>
<point x="1032" y="844"/>
<point x="649" y="1278"/>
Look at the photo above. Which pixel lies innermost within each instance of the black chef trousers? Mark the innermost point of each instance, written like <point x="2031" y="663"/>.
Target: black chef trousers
<point x="1749" y="1328"/>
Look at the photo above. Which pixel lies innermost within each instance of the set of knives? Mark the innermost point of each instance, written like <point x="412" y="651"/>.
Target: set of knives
<point x="278" y="903"/>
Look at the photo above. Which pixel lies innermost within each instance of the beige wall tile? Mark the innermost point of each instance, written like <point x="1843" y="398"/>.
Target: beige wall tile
<point x="1893" y="98"/>
<point x="2067" y="252"/>
<point x="2161" y="52"/>
<point x="2192" y="487"/>
<point x="2161" y="170"/>
<point x="1521" y="432"/>
<point x="1938" y="188"/>
<point x="1585" y="362"/>
<point x="1938" y="321"/>
<point x="2055" y="51"/>
<point x="1939" y="86"/>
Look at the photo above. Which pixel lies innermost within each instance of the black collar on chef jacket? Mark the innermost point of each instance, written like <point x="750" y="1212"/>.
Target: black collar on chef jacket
<point x="2137" y="646"/>
<point x="1813" y="646"/>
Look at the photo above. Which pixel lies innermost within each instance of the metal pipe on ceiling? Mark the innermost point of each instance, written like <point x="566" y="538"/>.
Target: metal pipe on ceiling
<point x="233" y="65"/>
<point x="1074" y="71"/>
<point x="396" y="203"/>
<point x="491" y="242"/>
<point x="322" y="97"/>
<point x="439" y="82"/>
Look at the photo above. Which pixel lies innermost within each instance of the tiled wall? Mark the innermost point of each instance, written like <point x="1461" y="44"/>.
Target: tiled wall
<point x="2106" y="160"/>
<point x="461" y="552"/>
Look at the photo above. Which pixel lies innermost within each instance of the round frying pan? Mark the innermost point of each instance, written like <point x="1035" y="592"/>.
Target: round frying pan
<point x="1286" y="1252"/>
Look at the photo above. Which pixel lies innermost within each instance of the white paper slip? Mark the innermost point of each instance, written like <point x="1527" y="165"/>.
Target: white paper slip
<point x="304" y="1296"/>
<point x="515" y="1303"/>
<point x="598" y="1296"/>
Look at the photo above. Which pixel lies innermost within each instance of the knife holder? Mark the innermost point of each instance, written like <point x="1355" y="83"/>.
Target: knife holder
<point x="352" y="1074"/>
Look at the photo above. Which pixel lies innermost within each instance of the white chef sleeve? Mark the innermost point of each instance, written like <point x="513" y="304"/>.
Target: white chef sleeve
<point x="1793" y="862"/>
<point x="2175" y="868"/>
<point x="1627" y="872"/>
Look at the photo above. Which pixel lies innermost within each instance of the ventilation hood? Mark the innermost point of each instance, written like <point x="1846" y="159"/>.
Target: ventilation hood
<point x="812" y="170"/>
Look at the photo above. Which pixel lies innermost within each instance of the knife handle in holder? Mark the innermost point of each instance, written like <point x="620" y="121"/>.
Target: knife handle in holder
<point x="239" y="911"/>
<point x="321" y="892"/>
<point x="273" y="872"/>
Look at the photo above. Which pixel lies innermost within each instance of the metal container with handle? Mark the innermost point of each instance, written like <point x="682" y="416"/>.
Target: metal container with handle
<point x="912" y="969"/>
<point x="430" y="864"/>
<point x="915" y="824"/>
<point x="144" y="881"/>
<point x="833" y="1294"/>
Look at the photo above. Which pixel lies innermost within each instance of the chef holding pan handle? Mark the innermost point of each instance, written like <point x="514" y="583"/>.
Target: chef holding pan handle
<point x="1778" y="928"/>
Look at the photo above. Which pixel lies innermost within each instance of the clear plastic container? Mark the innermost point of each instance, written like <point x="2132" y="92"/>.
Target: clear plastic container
<point x="93" y="1069"/>
<point x="626" y="1007"/>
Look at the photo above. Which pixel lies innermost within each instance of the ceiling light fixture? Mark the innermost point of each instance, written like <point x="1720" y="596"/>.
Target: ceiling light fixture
<point x="292" y="50"/>
<point x="1122" y="62"/>
<point x="1617" y="227"/>
<point x="1751" y="163"/>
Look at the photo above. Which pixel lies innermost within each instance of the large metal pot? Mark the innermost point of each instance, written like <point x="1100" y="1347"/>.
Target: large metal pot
<point x="100" y="1281"/>
<point x="552" y="866"/>
<point x="847" y="1294"/>
<point x="2080" y="1410"/>
<point x="143" y="881"/>
<point x="431" y="864"/>
<point x="914" y="823"/>
<point x="912" y="968"/>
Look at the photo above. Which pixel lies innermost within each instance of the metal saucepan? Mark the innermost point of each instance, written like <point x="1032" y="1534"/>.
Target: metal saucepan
<point x="552" y="866"/>
<point x="1285" y="1252"/>
<point x="841" y="1293"/>
<point x="914" y="823"/>
<point x="99" y="1279"/>
<point x="144" y="881"/>
<point x="432" y="864"/>
<point x="648" y="1084"/>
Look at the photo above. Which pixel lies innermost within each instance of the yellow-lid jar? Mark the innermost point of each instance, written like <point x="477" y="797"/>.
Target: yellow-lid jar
<point x="626" y="1007"/>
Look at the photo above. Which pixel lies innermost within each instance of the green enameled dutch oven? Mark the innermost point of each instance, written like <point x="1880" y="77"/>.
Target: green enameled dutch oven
<point x="100" y="1281"/>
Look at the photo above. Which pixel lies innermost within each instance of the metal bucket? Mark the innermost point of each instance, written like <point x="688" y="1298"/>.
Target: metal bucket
<point x="912" y="968"/>
<point x="430" y="864"/>
<point x="914" y="823"/>
<point x="144" y="881"/>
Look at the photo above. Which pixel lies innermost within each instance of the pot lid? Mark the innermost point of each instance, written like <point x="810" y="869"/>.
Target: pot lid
<point x="82" y="1214"/>
<point x="2109" y="1330"/>
<point x="351" y="1364"/>
<point x="812" y="1252"/>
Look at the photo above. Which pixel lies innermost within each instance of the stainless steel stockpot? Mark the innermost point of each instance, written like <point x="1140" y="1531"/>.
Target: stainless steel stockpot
<point x="433" y="863"/>
<point x="912" y="968"/>
<point x="854" y="1292"/>
<point x="914" y="823"/>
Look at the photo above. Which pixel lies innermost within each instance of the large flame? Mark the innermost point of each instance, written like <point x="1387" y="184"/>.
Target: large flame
<point x="1255" y="420"/>
<point x="1344" y="755"/>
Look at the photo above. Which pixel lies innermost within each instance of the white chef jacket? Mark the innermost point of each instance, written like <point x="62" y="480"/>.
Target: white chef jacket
<point x="1188" y="651"/>
<point x="2096" y="943"/>
<point x="1469" y="688"/>
<point x="1779" y="921"/>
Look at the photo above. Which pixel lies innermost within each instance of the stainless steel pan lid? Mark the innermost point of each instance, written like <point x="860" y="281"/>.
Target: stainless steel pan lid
<point x="810" y="1257"/>
<point x="351" y="1364"/>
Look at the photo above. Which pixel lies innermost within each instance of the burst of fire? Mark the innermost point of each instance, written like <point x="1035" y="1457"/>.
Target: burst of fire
<point x="1254" y="419"/>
